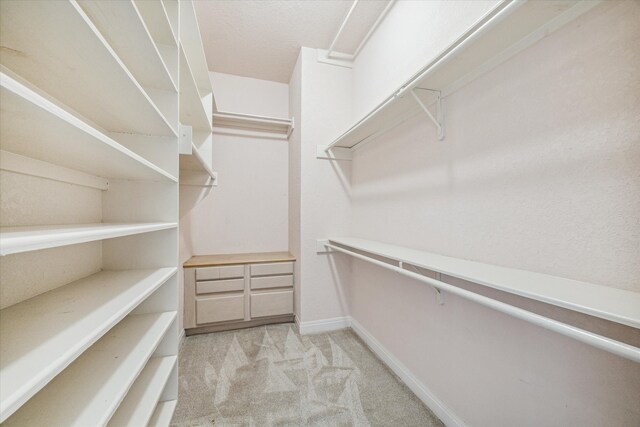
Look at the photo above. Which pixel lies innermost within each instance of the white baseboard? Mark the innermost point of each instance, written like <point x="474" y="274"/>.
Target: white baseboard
<point x="417" y="387"/>
<point x="324" y="325"/>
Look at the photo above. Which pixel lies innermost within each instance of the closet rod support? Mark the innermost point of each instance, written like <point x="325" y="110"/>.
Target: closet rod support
<point x="436" y="120"/>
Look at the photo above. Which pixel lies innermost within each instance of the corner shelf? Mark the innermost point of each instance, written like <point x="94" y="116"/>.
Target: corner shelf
<point x="121" y="355"/>
<point x="509" y="28"/>
<point x="608" y="303"/>
<point x="83" y="71"/>
<point x="194" y="166"/>
<point x="34" y="126"/>
<point x="14" y="240"/>
<point x="253" y="122"/>
<point x="39" y="337"/>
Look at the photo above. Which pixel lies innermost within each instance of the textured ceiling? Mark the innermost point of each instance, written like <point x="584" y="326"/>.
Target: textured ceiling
<point x="261" y="39"/>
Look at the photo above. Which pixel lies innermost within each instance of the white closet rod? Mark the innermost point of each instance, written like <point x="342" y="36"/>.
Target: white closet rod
<point x="607" y="344"/>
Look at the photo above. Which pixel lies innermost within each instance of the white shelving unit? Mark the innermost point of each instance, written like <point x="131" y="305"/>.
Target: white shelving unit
<point x="197" y="105"/>
<point x="253" y="122"/>
<point x="67" y="57"/>
<point x="509" y="28"/>
<point x="89" y="143"/>
<point x="121" y="355"/>
<point x="39" y="337"/>
<point x="36" y="127"/>
<point x="604" y="302"/>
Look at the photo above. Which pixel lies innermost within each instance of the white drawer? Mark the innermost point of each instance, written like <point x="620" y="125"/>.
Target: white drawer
<point x="219" y="309"/>
<point x="273" y="268"/>
<point x="210" y="286"/>
<point x="271" y="303"/>
<point x="225" y="272"/>
<point x="271" y="282"/>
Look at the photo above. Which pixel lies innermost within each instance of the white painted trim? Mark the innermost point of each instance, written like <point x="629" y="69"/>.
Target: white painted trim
<point x="443" y="412"/>
<point x="324" y="325"/>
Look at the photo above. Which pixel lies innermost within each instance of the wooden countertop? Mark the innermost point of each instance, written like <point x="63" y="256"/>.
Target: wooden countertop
<point x="235" y="259"/>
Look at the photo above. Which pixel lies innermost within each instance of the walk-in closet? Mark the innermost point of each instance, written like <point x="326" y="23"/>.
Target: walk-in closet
<point x="320" y="213"/>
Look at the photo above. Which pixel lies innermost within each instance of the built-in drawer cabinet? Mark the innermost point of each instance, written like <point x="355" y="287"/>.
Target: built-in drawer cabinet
<point x="211" y="286"/>
<point x="271" y="269"/>
<point x="267" y="282"/>
<point x="219" y="309"/>
<point x="229" y="291"/>
<point x="216" y="273"/>
<point x="273" y="303"/>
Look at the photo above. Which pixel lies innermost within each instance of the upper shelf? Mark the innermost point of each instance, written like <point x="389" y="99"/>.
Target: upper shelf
<point x="253" y="122"/>
<point x="191" y="42"/>
<point x="600" y="301"/>
<point x="66" y="56"/>
<point x="509" y="28"/>
<point x="158" y="22"/>
<point x="35" y="127"/>
<point x="120" y="22"/>
<point x="42" y="335"/>
<point x="193" y="103"/>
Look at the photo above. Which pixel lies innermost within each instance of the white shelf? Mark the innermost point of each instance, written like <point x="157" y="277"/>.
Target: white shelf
<point x="192" y="44"/>
<point x="616" y="305"/>
<point x="35" y="127"/>
<point x="157" y="20"/>
<point x="89" y="391"/>
<point x="39" y="337"/>
<point x="253" y="122"/>
<point x="82" y="70"/>
<point x="507" y="29"/>
<point x="195" y="162"/>
<point x="192" y="109"/>
<point x="120" y="22"/>
<point x="138" y="406"/>
<point x="30" y="238"/>
<point x="163" y="414"/>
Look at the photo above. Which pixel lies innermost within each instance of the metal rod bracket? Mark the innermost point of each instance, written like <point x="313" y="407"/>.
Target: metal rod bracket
<point x="439" y="293"/>
<point x="438" y="118"/>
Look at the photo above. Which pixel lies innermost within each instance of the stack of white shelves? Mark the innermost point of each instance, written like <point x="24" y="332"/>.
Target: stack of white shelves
<point x="88" y="214"/>
<point x="196" y="103"/>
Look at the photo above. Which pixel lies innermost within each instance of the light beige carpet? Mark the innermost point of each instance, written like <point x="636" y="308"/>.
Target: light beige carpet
<point x="271" y="376"/>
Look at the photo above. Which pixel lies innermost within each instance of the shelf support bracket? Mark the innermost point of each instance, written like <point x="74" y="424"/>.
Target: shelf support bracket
<point x="437" y="120"/>
<point x="439" y="293"/>
<point x="333" y="153"/>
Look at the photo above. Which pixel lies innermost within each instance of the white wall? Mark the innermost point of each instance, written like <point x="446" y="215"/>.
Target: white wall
<point x="540" y="170"/>
<point x="412" y="33"/>
<point x="248" y="210"/>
